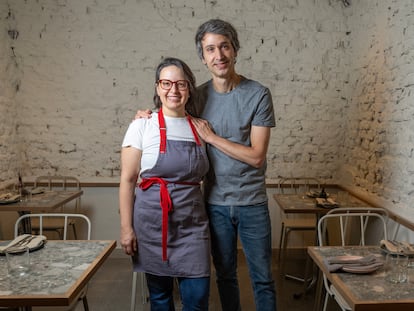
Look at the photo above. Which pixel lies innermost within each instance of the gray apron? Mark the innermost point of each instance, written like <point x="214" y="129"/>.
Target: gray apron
<point x="170" y="220"/>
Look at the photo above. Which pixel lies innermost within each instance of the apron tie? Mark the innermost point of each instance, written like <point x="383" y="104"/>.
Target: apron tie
<point x="165" y="203"/>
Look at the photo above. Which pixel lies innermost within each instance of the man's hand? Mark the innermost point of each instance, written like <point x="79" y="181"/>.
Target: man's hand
<point x="204" y="129"/>
<point x="143" y="114"/>
<point x="253" y="154"/>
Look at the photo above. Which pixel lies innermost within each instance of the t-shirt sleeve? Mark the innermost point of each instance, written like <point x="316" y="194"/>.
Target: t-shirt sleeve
<point x="265" y="113"/>
<point x="134" y="135"/>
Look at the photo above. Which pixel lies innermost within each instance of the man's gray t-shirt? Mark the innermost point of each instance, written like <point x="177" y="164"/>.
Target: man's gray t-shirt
<point x="231" y="115"/>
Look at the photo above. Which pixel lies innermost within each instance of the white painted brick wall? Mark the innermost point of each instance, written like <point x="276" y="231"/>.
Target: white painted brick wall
<point x="9" y="152"/>
<point x="341" y="80"/>
<point x="379" y="143"/>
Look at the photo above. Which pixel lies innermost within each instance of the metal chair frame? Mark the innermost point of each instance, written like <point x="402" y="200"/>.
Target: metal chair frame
<point x="344" y="215"/>
<point x="66" y="217"/>
<point x="63" y="183"/>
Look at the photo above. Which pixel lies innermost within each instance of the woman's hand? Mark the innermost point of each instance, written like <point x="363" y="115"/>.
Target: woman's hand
<point x="129" y="241"/>
<point x="143" y="114"/>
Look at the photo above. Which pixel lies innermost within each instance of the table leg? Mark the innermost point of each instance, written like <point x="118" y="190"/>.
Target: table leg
<point x="319" y="292"/>
<point x="309" y="265"/>
<point x="308" y="283"/>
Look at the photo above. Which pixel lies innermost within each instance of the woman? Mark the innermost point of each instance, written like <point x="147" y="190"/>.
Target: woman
<point x="166" y="229"/>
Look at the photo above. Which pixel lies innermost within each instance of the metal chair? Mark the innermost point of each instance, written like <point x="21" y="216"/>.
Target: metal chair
<point x="294" y="185"/>
<point x="58" y="183"/>
<point x="139" y="277"/>
<point x="65" y="218"/>
<point x="353" y="226"/>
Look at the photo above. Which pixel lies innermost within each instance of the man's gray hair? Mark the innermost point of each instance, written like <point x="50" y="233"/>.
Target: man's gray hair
<point x="219" y="27"/>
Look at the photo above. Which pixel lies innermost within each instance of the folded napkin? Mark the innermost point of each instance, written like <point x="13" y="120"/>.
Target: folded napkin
<point x="338" y="263"/>
<point x="24" y="241"/>
<point x="317" y="194"/>
<point x="9" y="196"/>
<point x="326" y="203"/>
<point x="397" y="247"/>
<point x="37" y="190"/>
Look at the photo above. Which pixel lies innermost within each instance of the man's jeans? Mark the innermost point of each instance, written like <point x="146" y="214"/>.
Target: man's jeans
<point x="252" y="224"/>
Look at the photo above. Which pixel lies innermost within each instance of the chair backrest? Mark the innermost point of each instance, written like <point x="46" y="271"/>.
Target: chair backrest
<point x="353" y="225"/>
<point x="293" y="184"/>
<point x="53" y="182"/>
<point x="65" y="217"/>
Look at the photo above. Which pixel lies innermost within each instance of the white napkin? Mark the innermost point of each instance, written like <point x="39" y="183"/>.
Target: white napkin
<point x="326" y="203"/>
<point x="355" y="260"/>
<point x="396" y="247"/>
<point x="340" y="262"/>
<point x="34" y="241"/>
<point x="9" y="196"/>
<point x="37" y="190"/>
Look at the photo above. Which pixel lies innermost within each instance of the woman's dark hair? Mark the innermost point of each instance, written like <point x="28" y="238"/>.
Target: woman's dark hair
<point x="189" y="76"/>
<point x="219" y="27"/>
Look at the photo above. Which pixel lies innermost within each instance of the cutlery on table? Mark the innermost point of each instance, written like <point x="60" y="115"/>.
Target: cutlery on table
<point x="20" y="243"/>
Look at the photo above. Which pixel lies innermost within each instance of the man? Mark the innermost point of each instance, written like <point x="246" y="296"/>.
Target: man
<point x="237" y="114"/>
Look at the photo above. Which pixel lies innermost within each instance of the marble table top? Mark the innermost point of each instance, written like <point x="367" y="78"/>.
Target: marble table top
<point x="56" y="270"/>
<point x="367" y="290"/>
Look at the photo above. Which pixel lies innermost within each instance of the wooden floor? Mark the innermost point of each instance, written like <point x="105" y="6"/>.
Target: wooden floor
<point x="110" y="288"/>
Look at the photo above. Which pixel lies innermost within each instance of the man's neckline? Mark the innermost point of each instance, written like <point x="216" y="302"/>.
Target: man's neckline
<point x="234" y="84"/>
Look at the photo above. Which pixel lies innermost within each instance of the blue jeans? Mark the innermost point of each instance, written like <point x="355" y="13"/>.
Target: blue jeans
<point x="194" y="293"/>
<point x="252" y="224"/>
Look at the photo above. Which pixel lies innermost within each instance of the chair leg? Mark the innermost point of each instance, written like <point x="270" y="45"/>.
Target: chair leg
<point x="325" y="303"/>
<point x="284" y="251"/>
<point x="282" y="233"/>
<point x="308" y="271"/>
<point x="134" y="290"/>
<point x="60" y="234"/>
<point x="75" y="235"/>
<point x="144" y="289"/>
<point x="85" y="303"/>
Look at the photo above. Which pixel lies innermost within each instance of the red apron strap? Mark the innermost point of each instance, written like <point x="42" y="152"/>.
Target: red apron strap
<point x="197" y="140"/>
<point x="163" y="132"/>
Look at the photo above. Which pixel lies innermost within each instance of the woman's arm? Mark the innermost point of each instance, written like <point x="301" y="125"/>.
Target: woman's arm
<point x="130" y="167"/>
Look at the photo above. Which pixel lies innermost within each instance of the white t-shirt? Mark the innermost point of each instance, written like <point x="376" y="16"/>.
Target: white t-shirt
<point x="144" y="134"/>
